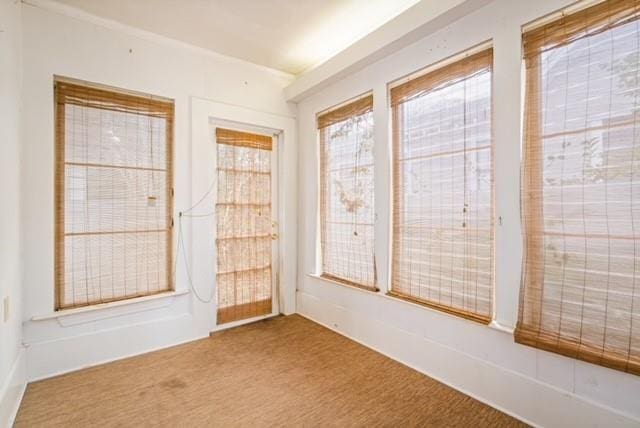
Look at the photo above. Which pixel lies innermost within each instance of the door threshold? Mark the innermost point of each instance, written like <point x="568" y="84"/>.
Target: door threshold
<point x="243" y="322"/>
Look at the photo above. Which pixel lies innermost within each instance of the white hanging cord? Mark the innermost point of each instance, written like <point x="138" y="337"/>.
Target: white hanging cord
<point x="213" y="183"/>
<point x="186" y="264"/>
<point x="180" y="245"/>
<point x="198" y="215"/>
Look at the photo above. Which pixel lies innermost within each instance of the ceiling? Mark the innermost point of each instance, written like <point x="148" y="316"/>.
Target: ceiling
<point x="287" y="35"/>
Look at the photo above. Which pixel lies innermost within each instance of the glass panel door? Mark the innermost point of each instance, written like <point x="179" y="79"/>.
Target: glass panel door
<point x="245" y="227"/>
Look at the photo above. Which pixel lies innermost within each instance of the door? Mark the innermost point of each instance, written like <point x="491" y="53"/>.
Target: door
<point x="246" y="227"/>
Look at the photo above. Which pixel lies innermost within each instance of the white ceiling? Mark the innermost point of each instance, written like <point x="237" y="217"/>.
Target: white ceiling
<point x="287" y="35"/>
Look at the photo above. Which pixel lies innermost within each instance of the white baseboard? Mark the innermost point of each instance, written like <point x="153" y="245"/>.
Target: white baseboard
<point x="518" y="395"/>
<point x="13" y="389"/>
<point x="52" y="358"/>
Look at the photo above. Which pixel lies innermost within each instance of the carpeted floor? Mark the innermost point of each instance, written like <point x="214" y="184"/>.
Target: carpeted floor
<point x="286" y="371"/>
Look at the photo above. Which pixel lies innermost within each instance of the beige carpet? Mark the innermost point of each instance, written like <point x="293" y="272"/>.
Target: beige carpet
<point x="286" y="371"/>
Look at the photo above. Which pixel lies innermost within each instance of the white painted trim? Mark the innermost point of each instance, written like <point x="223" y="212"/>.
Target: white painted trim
<point x="107" y="310"/>
<point x="245" y="109"/>
<point x="277" y="142"/>
<point x="238" y="323"/>
<point x="203" y="113"/>
<point x="52" y="358"/>
<point x="536" y="403"/>
<point x="12" y="390"/>
<point x="495" y="325"/>
<point x="319" y="277"/>
<point x="501" y="327"/>
<point x="76" y="13"/>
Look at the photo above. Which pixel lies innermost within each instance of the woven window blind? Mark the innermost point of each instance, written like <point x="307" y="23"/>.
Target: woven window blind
<point x="244" y="225"/>
<point x="442" y="253"/>
<point x="346" y="194"/>
<point x="113" y="195"/>
<point x="580" y="293"/>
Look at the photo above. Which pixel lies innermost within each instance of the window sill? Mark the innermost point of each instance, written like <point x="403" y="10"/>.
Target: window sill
<point x="69" y="317"/>
<point x="494" y="325"/>
<point x="332" y="281"/>
<point x="501" y="327"/>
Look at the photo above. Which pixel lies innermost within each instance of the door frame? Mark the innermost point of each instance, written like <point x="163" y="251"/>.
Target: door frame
<point x="197" y="233"/>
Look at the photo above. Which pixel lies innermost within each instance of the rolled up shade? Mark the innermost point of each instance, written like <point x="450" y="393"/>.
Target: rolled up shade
<point x="585" y="23"/>
<point x="442" y="76"/>
<point x="580" y="292"/>
<point x="359" y="107"/>
<point x="231" y="137"/>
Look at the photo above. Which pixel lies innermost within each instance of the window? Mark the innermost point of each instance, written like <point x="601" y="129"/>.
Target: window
<point x="346" y="194"/>
<point x="580" y="293"/>
<point x="113" y="195"/>
<point x="442" y="252"/>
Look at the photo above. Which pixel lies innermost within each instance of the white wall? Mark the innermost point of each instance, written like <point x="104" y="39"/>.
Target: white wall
<point x="107" y="53"/>
<point x="10" y="87"/>
<point x="537" y="386"/>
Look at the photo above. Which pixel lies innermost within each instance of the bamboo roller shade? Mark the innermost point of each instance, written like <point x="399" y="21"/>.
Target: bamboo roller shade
<point x="442" y="250"/>
<point x="347" y="211"/>
<point x="243" y="139"/>
<point x="358" y="107"/>
<point x="113" y="195"/>
<point x="580" y="293"/>
<point x="446" y="75"/>
<point x="244" y="225"/>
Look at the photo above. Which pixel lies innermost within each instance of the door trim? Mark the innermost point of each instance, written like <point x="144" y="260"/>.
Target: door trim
<point x="238" y="323"/>
<point x="200" y="249"/>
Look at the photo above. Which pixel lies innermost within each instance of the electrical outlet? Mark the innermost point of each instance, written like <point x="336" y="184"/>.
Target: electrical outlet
<point x="5" y="309"/>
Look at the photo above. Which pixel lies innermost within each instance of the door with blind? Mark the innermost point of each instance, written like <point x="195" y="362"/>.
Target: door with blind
<point x="246" y="226"/>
